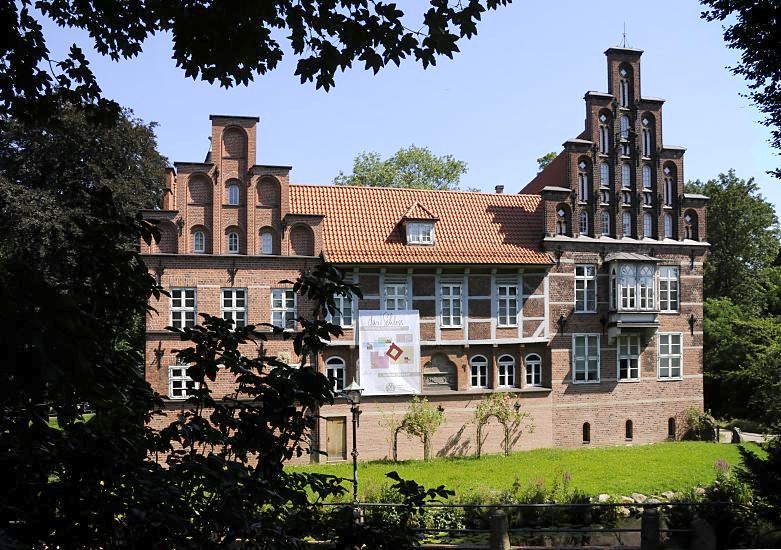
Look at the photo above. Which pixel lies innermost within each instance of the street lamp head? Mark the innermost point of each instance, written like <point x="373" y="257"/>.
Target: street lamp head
<point x="353" y="393"/>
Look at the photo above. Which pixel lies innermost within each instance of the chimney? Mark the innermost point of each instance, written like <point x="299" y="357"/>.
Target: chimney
<point x="499" y="189"/>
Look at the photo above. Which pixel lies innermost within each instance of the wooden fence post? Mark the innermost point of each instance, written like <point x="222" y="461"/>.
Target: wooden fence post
<point x="500" y="535"/>
<point x="649" y="529"/>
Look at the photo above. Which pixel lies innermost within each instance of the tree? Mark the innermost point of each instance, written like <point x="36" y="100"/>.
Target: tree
<point x="412" y="167"/>
<point x="72" y="282"/>
<point x="744" y="235"/>
<point x="219" y="42"/>
<point x="545" y="160"/>
<point x="755" y="30"/>
<point x="422" y="420"/>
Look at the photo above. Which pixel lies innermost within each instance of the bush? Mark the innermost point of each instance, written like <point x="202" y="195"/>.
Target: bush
<point x="701" y="426"/>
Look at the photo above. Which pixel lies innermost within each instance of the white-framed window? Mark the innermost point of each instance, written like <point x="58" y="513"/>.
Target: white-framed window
<point x="533" y="364"/>
<point x="266" y="243"/>
<point x="183" y="307"/>
<point x="606" y="222"/>
<point x="668" y="226"/>
<point x="180" y="386"/>
<point x="508" y="305"/>
<point x="648" y="225"/>
<point x="233" y="243"/>
<point x="670" y="356"/>
<point x="479" y="371"/>
<point x="585" y="288"/>
<point x="420" y="233"/>
<point x="450" y="305"/>
<point x="234" y="305"/>
<point x="344" y="314"/>
<point x="604" y="174"/>
<point x="645" y="287"/>
<point x="584" y="223"/>
<point x="585" y="358"/>
<point x="199" y="242"/>
<point x="624" y="127"/>
<point x="283" y="308"/>
<point x="233" y="195"/>
<point x="668" y="288"/>
<point x="395" y="296"/>
<point x="626" y="175"/>
<point x="628" y="349"/>
<point x="506" y="368"/>
<point x="561" y="222"/>
<point x="669" y="186"/>
<point x="646" y="176"/>
<point x="627" y="283"/>
<point x="626" y="218"/>
<point x="605" y="196"/>
<point x="334" y="370"/>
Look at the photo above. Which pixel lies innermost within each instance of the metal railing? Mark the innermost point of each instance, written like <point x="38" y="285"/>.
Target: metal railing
<point x="494" y="526"/>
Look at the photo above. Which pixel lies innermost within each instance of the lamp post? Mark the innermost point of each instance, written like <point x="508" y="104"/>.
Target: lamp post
<point x="353" y="395"/>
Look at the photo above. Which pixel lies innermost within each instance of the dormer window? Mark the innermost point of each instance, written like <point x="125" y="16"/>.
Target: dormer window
<point x="420" y="233"/>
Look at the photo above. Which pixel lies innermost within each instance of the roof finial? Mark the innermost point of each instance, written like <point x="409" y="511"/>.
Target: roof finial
<point x="624" y="34"/>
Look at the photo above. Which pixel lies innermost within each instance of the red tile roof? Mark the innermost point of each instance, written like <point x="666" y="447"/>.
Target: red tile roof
<point x="418" y="212"/>
<point x="363" y="225"/>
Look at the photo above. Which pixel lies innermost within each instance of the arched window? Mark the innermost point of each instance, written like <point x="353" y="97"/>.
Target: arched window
<point x="479" y="371"/>
<point x="604" y="174"/>
<point x="562" y="222"/>
<point x="506" y="365"/>
<point x="199" y="242"/>
<point x="624" y="86"/>
<point x="626" y="175"/>
<point x="624" y="127"/>
<point x="672" y="433"/>
<point x="233" y="243"/>
<point x="586" y="433"/>
<point x="669" y="184"/>
<point x="334" y="370"/>
<point x="646" y="176"/>
<point x="583" y="181"/>
<point x="648" y="136"/>
<point x="648" y="225"/>
<point x="604" y="133"/>
<point x="629" y="430"/>
<point x="533" y="364"/>
<point x="690" y="225"/>
<point x="584" y="223"/>
<point x="668" y="226"/>
<point x="626" y="219"/>
<point x="266" y="242"/>
<point x="233" y="195"/>
<point x="606" y="223"/>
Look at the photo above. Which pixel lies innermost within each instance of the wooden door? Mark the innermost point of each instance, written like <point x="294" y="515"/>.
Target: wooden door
<point x="336" y="438"/>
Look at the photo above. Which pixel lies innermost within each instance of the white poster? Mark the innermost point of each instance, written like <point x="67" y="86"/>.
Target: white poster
<point x="389" y="352"/>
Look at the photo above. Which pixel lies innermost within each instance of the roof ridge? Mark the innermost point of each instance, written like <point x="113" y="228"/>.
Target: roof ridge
<point x="408" y="189"/>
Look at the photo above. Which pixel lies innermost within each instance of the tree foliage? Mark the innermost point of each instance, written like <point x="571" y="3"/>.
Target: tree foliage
<point x="754" y="29"/>
<point x="744" y="235"/>
<point x="412" y="167"/>
<point x="221" y="42"/>
<point x="545" y="160"/>
<point x="506" y="411"/>
<point x="422" y="420"/>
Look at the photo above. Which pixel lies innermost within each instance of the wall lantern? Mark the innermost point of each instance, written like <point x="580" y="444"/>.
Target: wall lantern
<point x="562" y="322"/>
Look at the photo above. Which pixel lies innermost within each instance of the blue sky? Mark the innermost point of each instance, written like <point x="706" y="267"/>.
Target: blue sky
<point x="513" y="93"/>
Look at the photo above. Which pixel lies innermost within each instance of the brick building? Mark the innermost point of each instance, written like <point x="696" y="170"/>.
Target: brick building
<point x="582" y="294"/>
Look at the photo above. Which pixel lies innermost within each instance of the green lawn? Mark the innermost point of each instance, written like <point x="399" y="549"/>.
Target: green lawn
<point x="648" y="469"/>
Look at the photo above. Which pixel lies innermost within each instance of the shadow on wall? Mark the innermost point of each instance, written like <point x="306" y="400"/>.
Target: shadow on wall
<point x="456" y="444"/>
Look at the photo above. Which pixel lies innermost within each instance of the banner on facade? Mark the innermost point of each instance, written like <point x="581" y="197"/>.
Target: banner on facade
<point x="389" y="355"/>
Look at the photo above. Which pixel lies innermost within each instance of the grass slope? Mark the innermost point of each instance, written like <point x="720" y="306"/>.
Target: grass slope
<point x="614" y="470"/>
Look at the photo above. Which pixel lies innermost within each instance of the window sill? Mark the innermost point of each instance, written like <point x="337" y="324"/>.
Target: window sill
<point x="680" y="379"/>
<point x="232" y="205"/>
<point x="585" y="382"/>
<point x="451" y="327"/>
<point x="506" y="326"/>
<point x="585" y="312"/>
<point x="628" y="380"/>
